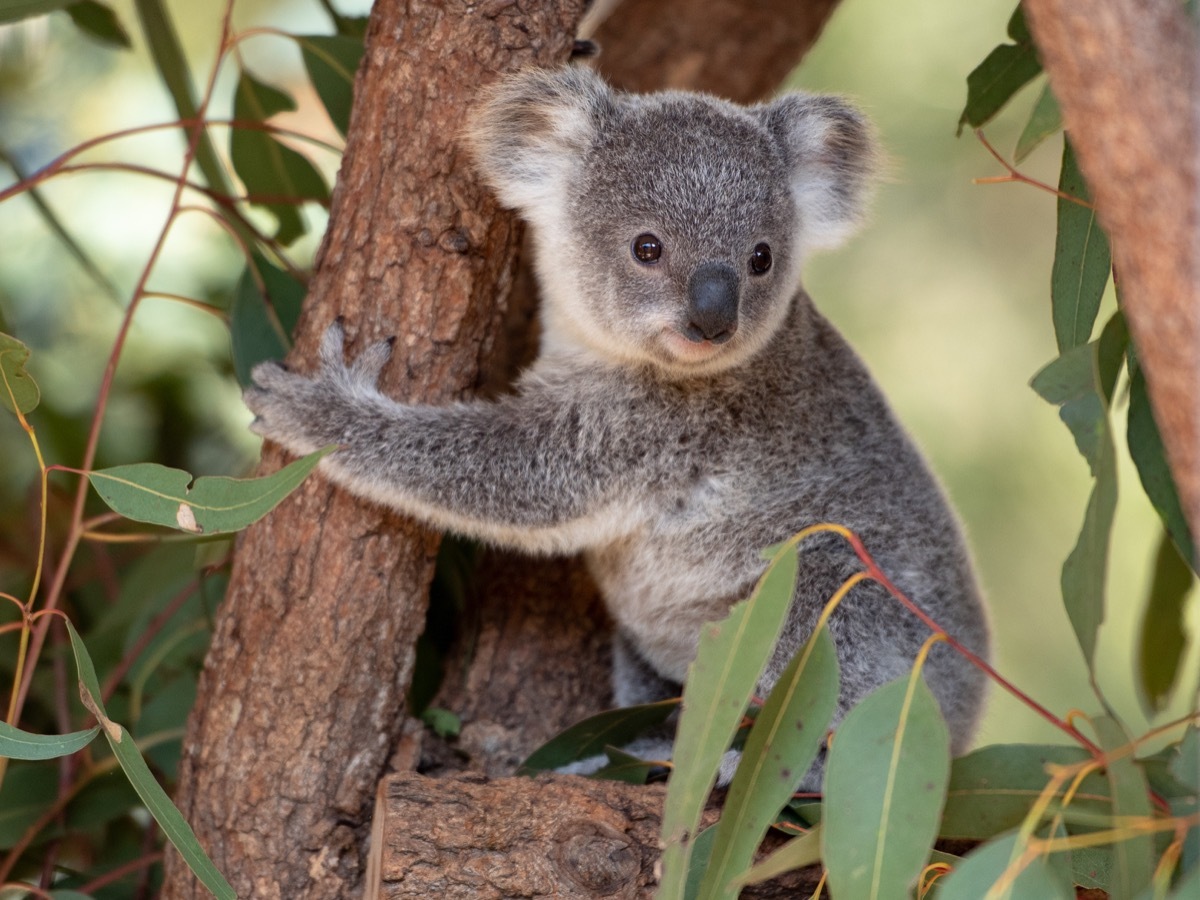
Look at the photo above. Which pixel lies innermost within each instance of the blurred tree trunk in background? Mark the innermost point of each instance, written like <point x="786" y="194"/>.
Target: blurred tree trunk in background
<point x="1127" y="76"/>
<point x="303" y="693"/>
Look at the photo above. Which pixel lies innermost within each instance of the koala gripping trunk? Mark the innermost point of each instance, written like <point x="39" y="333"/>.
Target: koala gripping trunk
<point x="303" y="692"/>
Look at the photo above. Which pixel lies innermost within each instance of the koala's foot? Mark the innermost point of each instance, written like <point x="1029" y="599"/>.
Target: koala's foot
<point x="306" y="412"/>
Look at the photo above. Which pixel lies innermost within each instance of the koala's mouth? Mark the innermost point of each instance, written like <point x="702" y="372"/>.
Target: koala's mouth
<point x="684" y="347"/>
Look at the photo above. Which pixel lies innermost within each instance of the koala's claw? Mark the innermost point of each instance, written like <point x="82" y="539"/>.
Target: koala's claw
<point x="332" y="351"/>
<point x="371" y="361"/>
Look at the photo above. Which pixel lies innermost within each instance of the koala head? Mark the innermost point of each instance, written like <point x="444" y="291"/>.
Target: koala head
<point x="669" y="228"/>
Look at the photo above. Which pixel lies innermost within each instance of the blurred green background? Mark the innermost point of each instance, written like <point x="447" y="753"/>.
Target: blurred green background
<point x="945" y="294"/>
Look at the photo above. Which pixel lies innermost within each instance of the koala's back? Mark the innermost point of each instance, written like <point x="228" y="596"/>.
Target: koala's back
<point x="797" y="436"/>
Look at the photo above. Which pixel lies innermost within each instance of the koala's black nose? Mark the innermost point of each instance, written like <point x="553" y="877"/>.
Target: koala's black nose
<point x="712" y="303"/>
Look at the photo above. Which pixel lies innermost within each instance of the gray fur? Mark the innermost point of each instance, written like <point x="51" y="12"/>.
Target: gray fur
<point x="670" y="463"/>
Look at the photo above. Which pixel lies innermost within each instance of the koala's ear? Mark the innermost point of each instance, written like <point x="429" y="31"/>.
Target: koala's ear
<point x="831" y="153"/>
<point x="532" y="128"/>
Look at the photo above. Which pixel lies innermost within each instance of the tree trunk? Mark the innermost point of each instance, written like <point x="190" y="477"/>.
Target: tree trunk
<point x="303" y="690"/>
<point x="1127" y="75"/>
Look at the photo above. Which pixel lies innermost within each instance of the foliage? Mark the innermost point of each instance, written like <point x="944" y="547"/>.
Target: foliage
<point x="1099" y="814"/>
<point x="69" y="825"/>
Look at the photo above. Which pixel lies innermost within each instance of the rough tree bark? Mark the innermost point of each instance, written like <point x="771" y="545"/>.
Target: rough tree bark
<point x="303" y="690"/>
<point x="1127" y="75"/>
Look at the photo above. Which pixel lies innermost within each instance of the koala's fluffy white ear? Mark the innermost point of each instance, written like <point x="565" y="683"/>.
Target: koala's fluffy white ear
<point x="831" y="151"/>
<point x="531" y="128"/>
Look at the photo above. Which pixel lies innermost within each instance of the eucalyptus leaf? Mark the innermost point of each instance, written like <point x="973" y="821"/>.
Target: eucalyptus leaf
<point x="15" y="10"/>
<point x="279" y="177"/>
<point x="720" y="683"/>
<point x="1162" y="637"/>
<point x="1082" y="260"/>
<point x="701" y="848"/>
<point x="1134" y="857"/>
<point x="595" y="733"/>
<point x="169" y="819"/>
<point x="1080" y="382"/>
<point x="1045" y="120"/>
<point x="262" y="319"/>
<point x="100" y="22"/>
<point x="18" y="744"/>
<point x="148" y="492"/>
<point x="885" y="784"/>
<point x="18" y="390"/>
<point x="1003" y="72"/>
<point x="797" y="853"/>
<point x="1150" y="457"/>
<point x="782" y="745"/>
<point x="986" y="865"/>
<point x="331" y="61"/>
<point x="993" y="788"/>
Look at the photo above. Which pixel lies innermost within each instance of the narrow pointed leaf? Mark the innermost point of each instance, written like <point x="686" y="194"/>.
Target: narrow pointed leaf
<point x="18" y="744"/>
<point x="1134" y="857"/>
<point x="159" y="805"/>
<point x="795" y="854"/>
<point x="15" y="10"/>
<point x="885" y="784"/>
<point x="594" y="734"/>
<point x="992" y="789"/>
<point x="699" y="862"/>
<point x="1045" y="120"/>
<point x="1082" y="261"/>
<point x="18" y="390"/>
<point x="331" y="61"/>
<point x="720" y="682"/>
<point x="277" y="175"/>
<point x="148" y="492"/>
<point x="262" y="319"/>
<point x="1163" y="637"/>
<point x="100" y="22"/>
<point x="1149" y="456"/>
<point x="1080" y="382"/>
<point x="985" y="866"/>
<point x="782" y="745"/>
<point x="1003" y="72"/>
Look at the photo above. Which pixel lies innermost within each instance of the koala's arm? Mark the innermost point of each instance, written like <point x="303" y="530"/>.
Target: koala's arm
<point x="537" y="471"/>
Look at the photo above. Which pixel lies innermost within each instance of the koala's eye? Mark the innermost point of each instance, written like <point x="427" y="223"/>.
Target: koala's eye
<point x="760" y="259"/>
<point x="647" y="248"/>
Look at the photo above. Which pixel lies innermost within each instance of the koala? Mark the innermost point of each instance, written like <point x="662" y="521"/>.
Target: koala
<point x="689" y="405"/>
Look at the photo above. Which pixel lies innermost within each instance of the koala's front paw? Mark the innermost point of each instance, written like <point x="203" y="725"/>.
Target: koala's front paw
<point x="304" y="413"/>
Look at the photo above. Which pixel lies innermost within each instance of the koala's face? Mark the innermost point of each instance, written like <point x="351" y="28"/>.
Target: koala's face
<point x="680" y="232"/>
<point x="669" y="227"/>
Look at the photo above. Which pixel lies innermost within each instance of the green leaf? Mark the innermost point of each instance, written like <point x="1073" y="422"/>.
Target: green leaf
<point x="1082" y="260"/>
<point x="1092" y="867"/>
<point x="331" y="61"/>
<point x="983" y="867"/>
<point x="1044" y="120"/>
<point x="992" y="789"/>
<point x="169" y="819"/>
<point x="720" y="682"/>
<point x="262" y="319"/>
<point x="1185" y="766"/>
<point x="18" y="744"/>
<point x="591" y="736"/>
<point x="148" y="492"/>
<point x="795" y="854"/>
<point x="626" y="767"/>
<point x="1134" y="857"/>
<point x="100" y="22"/>
<point x="277" y="175"/>
<point x="1163" y="637"/>
<point x="1080" y="383"/>
<point x="442" y="722"/>
<point x="885" y="783"/>
<point x="701" y="848"/>
<point x="27" y="793"/>
<point x="782" y="745"/>
<point x="1150" y="458"/>
<point x="18" y="391"/>
<point x="15" y="10"/>
<point x="1003" y="72"/>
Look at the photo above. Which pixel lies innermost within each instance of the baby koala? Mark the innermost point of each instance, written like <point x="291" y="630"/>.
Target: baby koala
<point x="689" y="405"/>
